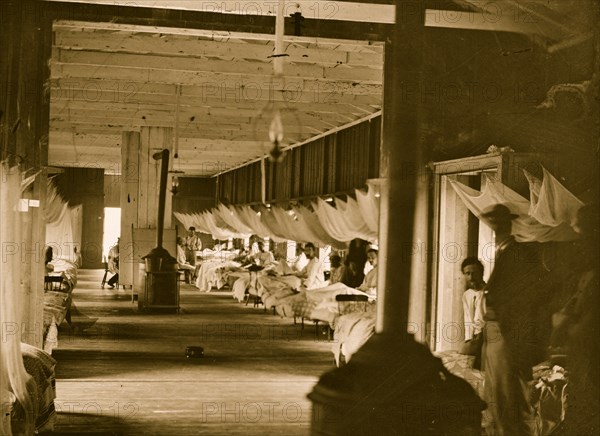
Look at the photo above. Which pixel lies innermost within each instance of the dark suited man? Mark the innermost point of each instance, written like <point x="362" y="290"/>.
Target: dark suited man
<point x="514" y="297"/>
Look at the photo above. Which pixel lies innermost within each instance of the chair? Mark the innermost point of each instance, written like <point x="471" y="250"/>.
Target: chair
<point x="53" y="283"/>
<point x="105" y="265"/>
<point x="186" y="273"/>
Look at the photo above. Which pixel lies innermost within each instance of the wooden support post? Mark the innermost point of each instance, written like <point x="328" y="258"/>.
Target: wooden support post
<point x="392" y="373"/>
<point x="140" y="191"/>
<point x="129" y="204"/>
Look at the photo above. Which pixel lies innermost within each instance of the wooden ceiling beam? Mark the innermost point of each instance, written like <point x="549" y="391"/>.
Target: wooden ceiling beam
<point x="343" y="113"/>
<point x="202" y="169"/>
<point x="113" y="141"/>
<point x="297" y="50"/>
<point x="233" y="36"/>
<point x="503" y="16"/>
<point x="212" y="21"/>
<point x="201" y="133"/>
<point x="327" y="99"/>
<point x="167" y="118"/>
<point x="263" y="69"/>
<point x="71" y="138"/>
<point x="183" y="154"/>
<point x="208" y="80"/>
<point x="199" y="126"/>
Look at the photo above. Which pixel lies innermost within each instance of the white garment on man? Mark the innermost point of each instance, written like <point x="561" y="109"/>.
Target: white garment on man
<point x="264" y="258"/>
<point x="369" y="283"/>
<point x="473" y="311"/>
<point x="193" y="243"/>
<point x="300" y="263"/>
<point x="181" y="259"/>
<point x="314" y="274"/>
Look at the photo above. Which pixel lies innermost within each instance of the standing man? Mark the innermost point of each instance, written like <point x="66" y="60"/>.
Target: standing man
<point x="192" y="244"/>
<point x="514" y="296"/>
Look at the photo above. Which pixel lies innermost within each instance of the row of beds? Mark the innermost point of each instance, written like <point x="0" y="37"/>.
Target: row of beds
<point x="39" y="363"/>
<point x="350" y="315"/>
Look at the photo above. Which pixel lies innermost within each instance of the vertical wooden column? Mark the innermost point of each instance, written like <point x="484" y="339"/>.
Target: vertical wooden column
<point x="392" y="383"/>
<point x="140" y="189"/>
<point x="400" y="164"/>
<point x="420" y="252"/>
<point x="129" y="203"/>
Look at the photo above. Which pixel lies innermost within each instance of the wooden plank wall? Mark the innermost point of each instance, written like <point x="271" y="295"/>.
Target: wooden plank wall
<point x="337" y="163"/>
<point x="241" y="185"/>
<point x="86" y="186"/>
<point x="195" y="195"/>
<point x="112" y="191"/>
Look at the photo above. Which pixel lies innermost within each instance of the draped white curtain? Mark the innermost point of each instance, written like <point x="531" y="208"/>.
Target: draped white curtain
<point x="77" y="224"/>
<point x="550" y="222"/>
<point x="59" y="225"/>
<point x="13" y="376"/>
<point x="549" y="216"/>
<point x="323" y="225"/>
<point x="551" y="203"/>
<point x="368" y="204"/>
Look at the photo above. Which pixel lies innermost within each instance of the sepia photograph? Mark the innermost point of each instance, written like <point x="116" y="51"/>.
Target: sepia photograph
<point x="309" y="217"/>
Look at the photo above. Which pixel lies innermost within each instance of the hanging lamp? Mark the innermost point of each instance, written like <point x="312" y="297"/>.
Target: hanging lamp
<point x="269" y="125"/>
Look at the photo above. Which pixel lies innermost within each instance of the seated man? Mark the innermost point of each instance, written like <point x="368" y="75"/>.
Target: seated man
<point x="77" y="256"/>
<point x="113" y="264"/>
<point x="337" y="269"/>
<point x="264" y="257"/>
<point x="369" y="284"/>
<point x="312" y="274"/>
<point x="182" y="263"/>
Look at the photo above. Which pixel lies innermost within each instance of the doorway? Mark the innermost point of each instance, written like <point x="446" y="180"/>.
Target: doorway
<point x="112" y="229"/>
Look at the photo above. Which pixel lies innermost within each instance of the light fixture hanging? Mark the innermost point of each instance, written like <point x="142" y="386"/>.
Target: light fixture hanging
<point x="175" y="177"/>
<point x="277" y="112"/>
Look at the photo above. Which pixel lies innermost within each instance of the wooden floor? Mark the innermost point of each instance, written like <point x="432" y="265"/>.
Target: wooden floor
<point x="128" y="374"/>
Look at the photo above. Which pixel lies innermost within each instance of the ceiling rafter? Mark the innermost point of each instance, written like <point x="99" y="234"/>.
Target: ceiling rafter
<point x="107" y="78"/>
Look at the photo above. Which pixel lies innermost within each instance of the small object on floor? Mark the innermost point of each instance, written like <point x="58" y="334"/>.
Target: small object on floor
<point x="194" y="352"/>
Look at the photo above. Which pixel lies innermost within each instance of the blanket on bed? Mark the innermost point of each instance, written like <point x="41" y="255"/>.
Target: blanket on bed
<point x="351" y="331"/>
<point x="212" y="274"/>
<point x="41" y="387"/>
<point x="319" y="304"/>
<point x="271" y="289"/>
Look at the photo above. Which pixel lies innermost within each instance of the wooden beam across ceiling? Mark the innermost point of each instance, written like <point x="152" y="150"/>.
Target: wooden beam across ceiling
<point x="207" y="20"/>
<point x="326" y="98"/>
<point x="107" y="78"/>
<point x="189" y="113"/>
<point x="262" y="69"/>
<point x="67" y="139"/>
<point x="215" y="79"/>
<point x="203" y="43"/>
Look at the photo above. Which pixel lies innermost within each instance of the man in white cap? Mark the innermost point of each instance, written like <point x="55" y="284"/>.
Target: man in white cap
<point x="514" y="296"/>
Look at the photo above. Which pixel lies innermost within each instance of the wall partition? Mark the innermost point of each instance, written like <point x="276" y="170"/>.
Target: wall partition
<point x="335" y="164"/>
